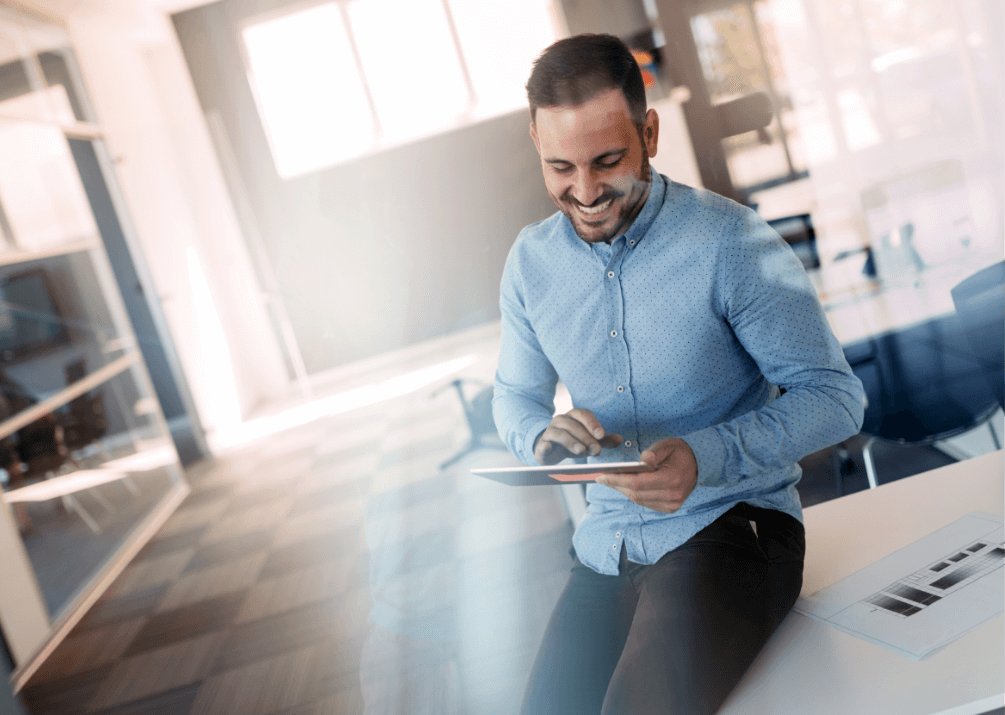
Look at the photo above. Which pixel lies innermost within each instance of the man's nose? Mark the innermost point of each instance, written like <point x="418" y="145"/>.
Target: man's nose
<point x="586" y="188"/>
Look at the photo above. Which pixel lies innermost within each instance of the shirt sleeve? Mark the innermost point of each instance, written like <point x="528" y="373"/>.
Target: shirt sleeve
<point x="767" y="299"/>
<point x="523" y="401"/>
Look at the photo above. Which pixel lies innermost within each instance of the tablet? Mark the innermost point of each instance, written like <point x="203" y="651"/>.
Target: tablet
<point x="558" y="473"/>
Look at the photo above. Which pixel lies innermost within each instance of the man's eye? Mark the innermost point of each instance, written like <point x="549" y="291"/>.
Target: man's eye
<point x="610" y="164"/>
<point x="562" y="169"/>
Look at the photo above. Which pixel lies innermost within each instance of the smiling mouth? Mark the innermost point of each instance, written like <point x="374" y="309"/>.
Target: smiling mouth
<point x="594" y="210"/>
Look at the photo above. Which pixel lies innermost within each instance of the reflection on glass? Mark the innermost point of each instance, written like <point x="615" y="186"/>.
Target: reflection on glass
<point x="898" y="108"/>
<point x="52" y="314"/>
<point x="408" y="661"/>
<point x="81" y="477"/>
<point x="40" y="190"/>
<point x="74" y="519"/>
<point x="860" y="128"/>
<point x="30" y="323"/>
<point x="63" y="99"/>
<point x="739" y="54"/>
<point x="35" y="71"/>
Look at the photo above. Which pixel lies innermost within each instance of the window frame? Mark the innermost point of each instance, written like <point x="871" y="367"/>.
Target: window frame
<point x="468" y="117"/>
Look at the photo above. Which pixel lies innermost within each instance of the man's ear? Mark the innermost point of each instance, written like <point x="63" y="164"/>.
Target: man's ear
<point x="533" y="135"/>
<point x="651" y="132"/>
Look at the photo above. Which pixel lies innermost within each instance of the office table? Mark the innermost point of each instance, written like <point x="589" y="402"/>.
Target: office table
<point x="810" y="667"/>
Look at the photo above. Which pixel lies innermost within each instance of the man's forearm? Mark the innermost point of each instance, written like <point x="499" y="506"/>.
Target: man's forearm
<point x="520" y="419"/>
<point x="806" y="419"/>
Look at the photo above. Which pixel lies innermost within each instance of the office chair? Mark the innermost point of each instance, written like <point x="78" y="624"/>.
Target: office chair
<point x="980" y="308"/>
<point x="478" y="414"/>
<point x="83" y="419"/>
<point x="45" y="447"/>
<point x="923" y="386"/>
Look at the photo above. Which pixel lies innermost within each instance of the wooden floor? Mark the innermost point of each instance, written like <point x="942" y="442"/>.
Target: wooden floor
<point x="335" y="568"/>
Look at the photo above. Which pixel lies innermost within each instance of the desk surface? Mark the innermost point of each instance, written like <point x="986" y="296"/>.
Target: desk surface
<point x="810" y="667"/>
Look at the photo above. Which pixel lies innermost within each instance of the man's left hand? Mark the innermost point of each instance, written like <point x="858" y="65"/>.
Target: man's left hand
<point x="666" y="488"/>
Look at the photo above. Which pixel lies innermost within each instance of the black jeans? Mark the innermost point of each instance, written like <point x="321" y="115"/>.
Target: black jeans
<point x="676" y="636"/>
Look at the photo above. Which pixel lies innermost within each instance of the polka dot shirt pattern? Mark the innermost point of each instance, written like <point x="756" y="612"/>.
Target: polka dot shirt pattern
<point x="685" y="326"/>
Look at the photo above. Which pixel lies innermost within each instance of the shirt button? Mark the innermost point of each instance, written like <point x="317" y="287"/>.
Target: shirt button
<point x="628" y="443"/>
<point x="610" y="274"/>
<point x="618" y="534"/>
<point x="631" y="243"/>
<point x="614" y="333"/>
<point x="621" y="388"/>
<point x="614" y="547"/>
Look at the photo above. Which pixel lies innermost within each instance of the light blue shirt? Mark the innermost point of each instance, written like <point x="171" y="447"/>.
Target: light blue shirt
<point x="685" y="326"/>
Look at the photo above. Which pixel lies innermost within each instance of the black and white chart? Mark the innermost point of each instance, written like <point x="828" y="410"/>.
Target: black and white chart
<point x="924" y="596"/>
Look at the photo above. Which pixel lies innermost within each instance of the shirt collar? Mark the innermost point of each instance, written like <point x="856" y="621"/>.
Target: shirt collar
<point x="637" y="231"/>
<point x="654" y="202"/>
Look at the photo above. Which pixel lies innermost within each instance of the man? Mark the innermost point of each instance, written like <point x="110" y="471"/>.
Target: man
<point x="673" y="316"/>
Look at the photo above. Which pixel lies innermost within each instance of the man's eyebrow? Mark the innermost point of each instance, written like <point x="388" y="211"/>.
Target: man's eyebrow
<point x="605" y="155"/>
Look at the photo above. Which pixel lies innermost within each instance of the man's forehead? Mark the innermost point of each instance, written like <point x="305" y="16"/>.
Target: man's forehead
<point x="605" y="117"/>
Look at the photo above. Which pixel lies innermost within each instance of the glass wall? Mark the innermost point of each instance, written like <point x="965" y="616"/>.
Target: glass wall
<point x="882" y="168"/>
<point x="87" y="463"/>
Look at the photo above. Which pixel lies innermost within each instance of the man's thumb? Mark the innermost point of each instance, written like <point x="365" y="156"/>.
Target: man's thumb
<point x="659" y="452"/>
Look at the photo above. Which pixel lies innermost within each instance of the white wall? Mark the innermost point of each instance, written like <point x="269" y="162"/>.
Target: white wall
<point x="179" y="204"/>
<point x="674" y="153"/>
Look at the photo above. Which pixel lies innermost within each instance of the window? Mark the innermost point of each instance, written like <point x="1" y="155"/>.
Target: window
<point x="342" y="79"/>
<point x="310" y="95"/>
<point x="410" y="64"/>
<point x="500" y="41"/>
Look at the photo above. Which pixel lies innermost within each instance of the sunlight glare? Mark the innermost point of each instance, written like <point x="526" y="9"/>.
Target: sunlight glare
<point x="411" y="65"/>
<point x="363" y="396"/>
<point x="308" y="89"/>
<point x="500" y="41"/>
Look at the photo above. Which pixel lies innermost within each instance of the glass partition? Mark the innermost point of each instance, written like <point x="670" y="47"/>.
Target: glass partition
<point x="87" y="463"/>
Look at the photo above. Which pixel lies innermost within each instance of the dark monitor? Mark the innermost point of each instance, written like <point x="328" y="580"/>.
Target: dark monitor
<point x="30" y="321"/>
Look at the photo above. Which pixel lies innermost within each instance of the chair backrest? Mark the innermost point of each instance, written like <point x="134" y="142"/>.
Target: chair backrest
<point x="980" y="308"/>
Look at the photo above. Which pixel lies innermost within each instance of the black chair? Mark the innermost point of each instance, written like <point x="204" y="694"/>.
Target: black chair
<point x="83" y="419"/>
<point x="478" y="414"/>
<point x="980" y="308"/>
<point x="923" y="384"/>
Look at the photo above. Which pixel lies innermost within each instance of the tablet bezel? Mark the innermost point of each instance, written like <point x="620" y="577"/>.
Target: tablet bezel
<point x="566" y="473"/>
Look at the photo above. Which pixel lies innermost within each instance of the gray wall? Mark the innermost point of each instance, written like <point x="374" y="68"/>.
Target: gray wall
<point x="387" y="250"/>
<point x="617" y="17"/>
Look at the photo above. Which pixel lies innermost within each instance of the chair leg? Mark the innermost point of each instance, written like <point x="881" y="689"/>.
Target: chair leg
<point x="994" y="435"/>
<point x="839" y="458"/>
<point x="102" y="500"/>
<point x="467" y="449"/>
<point x="74" y="504"/>
<point x="870" y="469"/>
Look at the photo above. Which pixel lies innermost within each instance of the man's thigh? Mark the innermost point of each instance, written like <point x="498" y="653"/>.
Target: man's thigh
<point x="581" y="644"/>
<point x="705" y="610"/>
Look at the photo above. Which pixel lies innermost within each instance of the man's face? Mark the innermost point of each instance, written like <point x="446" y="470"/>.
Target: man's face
<point x="595" y="164"/>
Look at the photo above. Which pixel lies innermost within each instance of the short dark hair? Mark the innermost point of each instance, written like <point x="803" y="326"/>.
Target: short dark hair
<point x="573" y="71"/>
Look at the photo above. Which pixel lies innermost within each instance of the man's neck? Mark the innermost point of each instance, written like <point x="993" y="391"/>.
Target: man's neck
<point x="635" y="215"/>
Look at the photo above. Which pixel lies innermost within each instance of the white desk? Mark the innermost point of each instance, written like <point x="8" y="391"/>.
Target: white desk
<point x="810" y="667"/>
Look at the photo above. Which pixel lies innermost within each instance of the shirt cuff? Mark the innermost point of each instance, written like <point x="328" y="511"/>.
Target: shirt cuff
<point x="532" y="436"/>
<point x="710" y="454"/>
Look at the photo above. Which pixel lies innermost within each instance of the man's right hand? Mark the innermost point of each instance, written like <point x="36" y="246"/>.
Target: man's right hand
<point x="577" y="433"/>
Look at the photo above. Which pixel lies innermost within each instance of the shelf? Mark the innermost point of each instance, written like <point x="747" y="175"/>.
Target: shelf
<point x="54" y="402"/>
<point x="12" y="257"/>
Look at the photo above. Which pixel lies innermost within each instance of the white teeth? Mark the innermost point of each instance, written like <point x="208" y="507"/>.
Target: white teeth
<point x="596" y="209"/>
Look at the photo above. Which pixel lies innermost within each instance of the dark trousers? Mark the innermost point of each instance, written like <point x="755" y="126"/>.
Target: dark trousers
<point x="674" y="637"/>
